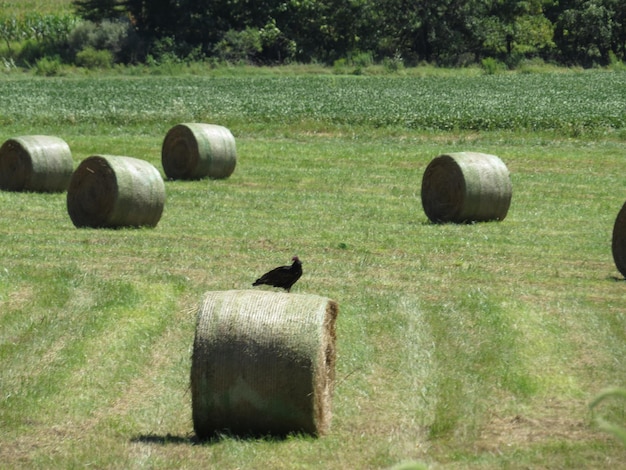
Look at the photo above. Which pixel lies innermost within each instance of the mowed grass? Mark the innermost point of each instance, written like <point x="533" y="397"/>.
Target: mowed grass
<point x="460" y="346"/>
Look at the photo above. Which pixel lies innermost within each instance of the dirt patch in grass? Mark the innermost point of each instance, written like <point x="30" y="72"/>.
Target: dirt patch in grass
<point x="19" y="298"/>
<point x="556" y="420"/>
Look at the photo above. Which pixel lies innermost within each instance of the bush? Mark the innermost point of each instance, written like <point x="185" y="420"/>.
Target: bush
<point x="394" y="64"/>
<point x="168" y="51"/>
<point x="118" y="37"/>
<point x="276" y="47"/>
<point x="340" y="66"/>
<point x="354" y="65"/>
<point x="91" y="58"/>
<point x="615" y="63"/>
<point x="163" y="51"/>
<point x="362" y="60"/>
<point x="33" y="50"/>
<point x="535" y="65"/>
<point x="239" y="46"/>
<point x="491" y="65"/>
<point x="48" y="66"/>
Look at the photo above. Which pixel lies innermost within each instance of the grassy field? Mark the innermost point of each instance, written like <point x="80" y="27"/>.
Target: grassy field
<point x="21" y="7"/>
<point x="459" y="346"/>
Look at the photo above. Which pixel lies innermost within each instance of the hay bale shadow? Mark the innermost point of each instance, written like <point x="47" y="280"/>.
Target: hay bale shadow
<point x="163" y="439"/>
<point x="193" y="439"/>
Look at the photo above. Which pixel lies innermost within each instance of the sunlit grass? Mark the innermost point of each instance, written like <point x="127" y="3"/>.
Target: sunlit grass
<point x="469" y="346"/>
<point x="22" y="7"/>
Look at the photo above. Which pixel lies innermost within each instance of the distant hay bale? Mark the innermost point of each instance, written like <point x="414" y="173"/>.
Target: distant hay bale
<point x="111" y="191"/>
<point x="195" y="150"/>
<point x="618" y="244"/>
<point x="466" y="187"/>
<point x="39" y="163"/>
<point x="263" y="363"/>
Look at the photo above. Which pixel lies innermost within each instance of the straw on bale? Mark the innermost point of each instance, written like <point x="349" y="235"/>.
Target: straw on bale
<point x="196" y="150"/>
<point x="466" y="187"/>
<point x="618" y="244"/>
<point x="263" y="363"/>
<point x="35" y="163"/>
<point x="114" y="191"/>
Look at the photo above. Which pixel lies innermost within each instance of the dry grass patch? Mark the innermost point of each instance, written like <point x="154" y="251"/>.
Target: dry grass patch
<point x="553" y="420"/>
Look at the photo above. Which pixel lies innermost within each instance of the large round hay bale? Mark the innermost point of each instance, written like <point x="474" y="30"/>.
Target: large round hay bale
<point x="618" y="244"/>
<point x="195" y="150"/>
<point x="35" y="163"/>
<point x="263" y="363"/>
<point x="466" y="187"/>
<point x="114" y="191"/>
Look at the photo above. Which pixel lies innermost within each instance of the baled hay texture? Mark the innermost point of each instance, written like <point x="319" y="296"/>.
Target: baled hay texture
<point x="466" y="187"/>
<point x="196" y="150"/>
<point x="113" y="191"/>
<point x="263" y="363"/>
<point x="35" y="163"/>
<point x="618" y="244"/>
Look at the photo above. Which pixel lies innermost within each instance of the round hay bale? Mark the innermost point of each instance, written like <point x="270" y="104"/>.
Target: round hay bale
<point x="194" y="150"/>
<point x="35" y="163"/>
<point x="263" y="363"/>
<point x="466" y="187"/>
<point x="618" y="244"/>
<point x="112" y="191"/>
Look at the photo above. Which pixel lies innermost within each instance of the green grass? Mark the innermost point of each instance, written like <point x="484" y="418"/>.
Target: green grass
<point x="23" y="7"/>
<point x="461" y="346"/>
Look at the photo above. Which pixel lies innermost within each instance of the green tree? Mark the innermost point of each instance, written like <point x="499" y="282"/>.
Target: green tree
<point x="98" y="10"/>
<point x="584" y="32"/>
<point x="514" y="28"/>
<point x="154" y="18"/>
<point x="619" y="29"/>
<point x="588" y="31"/>
<point x="324" y="30"/>
<point x="450" y="32"/>
<point x="431" y="31"/>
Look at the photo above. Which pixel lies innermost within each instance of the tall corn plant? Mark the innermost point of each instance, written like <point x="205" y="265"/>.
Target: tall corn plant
<point x="49" y="28"/>
<point x="10" y="31"/>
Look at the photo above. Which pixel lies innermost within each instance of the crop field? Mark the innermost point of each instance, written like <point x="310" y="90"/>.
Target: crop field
<point x="21" y="7"/>
<point x="568" y="103"/>
<point x="459" y="346"/>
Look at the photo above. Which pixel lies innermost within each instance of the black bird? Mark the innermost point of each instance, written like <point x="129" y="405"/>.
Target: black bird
<point x="282" y="276"/>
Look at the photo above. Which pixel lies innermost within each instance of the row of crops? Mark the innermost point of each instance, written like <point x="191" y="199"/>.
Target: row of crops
<point x="586" y="100"/>
<point x="41" y="27"/>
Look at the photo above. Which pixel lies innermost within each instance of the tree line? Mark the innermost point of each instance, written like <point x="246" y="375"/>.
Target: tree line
<point x="450" y="32"/>
<point x="443" y="32"/>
